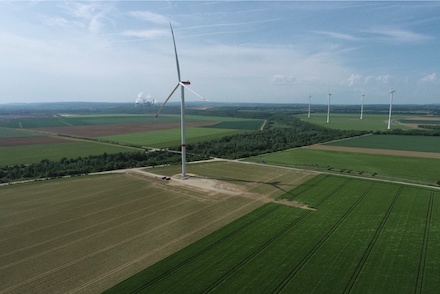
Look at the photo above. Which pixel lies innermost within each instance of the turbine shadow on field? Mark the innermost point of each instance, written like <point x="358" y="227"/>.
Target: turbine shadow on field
<point x="275" y="184"/>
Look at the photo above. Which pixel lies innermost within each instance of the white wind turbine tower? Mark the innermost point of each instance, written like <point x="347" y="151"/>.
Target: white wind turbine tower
<point x="328" y="108"/>
<point x="391" y="104"/>
<point x="362" y="104"/>
<point x="310" y="100"/>
<point x="182" y="85"/>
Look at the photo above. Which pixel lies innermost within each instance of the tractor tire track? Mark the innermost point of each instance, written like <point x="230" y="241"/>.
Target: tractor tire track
<point x="205" y="250"/>
<point x="373" y="241"/>
<point x="421" y="269"/>
<point x="312" y="252"/>
<point x="268" y="243"/>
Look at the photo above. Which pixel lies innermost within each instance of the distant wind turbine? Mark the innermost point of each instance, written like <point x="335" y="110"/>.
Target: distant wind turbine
<point x="328" y="108"/>
<point x="362" y="104"/>
<point x="182" y="85"/>
<point x="391" y="104"/>
<point x="310" y="100"/>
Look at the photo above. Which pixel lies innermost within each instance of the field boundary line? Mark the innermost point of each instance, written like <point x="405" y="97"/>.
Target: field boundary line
<point x="340" y="174"/>
<point x="206" y="249"/>
<point x="374" y="151"/>
<point x="421" y="268"/>
<point x="373" y="241"/>
<point x="321" y="242"/>
<point x="306" y="187"/>
<point x="160" y="248"/>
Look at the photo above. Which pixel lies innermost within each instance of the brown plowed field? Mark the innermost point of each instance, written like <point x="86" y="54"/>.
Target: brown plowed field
<point x="416" y="125"/>
<point x="376" y="151"/>
<point x="110" y="130"/>
<point x="23" y="141"/>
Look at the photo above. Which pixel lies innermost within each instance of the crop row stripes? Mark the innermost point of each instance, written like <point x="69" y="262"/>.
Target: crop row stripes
<point x="309" y="255"/>
<point x="256" y="252"/>
<point x="212" y="246"/>
<point x="373" y="241"/>
<point x="331" y="193"/>
<point x="306" y="186"/>
<point x="267" y="243"/>
<point x="422" y="262"/>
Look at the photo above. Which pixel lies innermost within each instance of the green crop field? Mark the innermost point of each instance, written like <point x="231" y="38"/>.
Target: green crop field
<point x="82" y="120"/>
<point x="363" y="237"/>
<point x="22" y="127"/>
<point x="86" y="234"/>
<point x="394" y="142"/>
<point x="16" y="133"/>
<point x="370" y="122"/>
<point x="35" y="153"/>
<point x="113" y="119"/>
<point x="424" y="170"/>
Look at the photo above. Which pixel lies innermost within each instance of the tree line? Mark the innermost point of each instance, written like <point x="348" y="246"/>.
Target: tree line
<point x="90" y="164"/>
<point x="283" y="131"/>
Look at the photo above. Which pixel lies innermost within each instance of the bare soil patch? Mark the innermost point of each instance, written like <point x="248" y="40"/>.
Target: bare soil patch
<point x="110" y="130"/>
<point x="376" y="151"/>
<point x="424" y="118"/>
<point x="216" y="189"/>
<point x="416" y="125"/>
<point x="25" y="141"/>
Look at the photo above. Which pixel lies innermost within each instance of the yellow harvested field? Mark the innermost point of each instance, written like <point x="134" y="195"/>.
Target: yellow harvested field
<point x="85" y="234"/>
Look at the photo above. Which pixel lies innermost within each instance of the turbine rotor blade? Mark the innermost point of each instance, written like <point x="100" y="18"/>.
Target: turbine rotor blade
<point x="175" y="52"/>
<point x="183" y="85"/>
<point x="169" y="96"/>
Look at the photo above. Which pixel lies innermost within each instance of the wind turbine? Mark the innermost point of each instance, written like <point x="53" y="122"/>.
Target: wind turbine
<point x="391" y="104"/>
<point x="182" y="85"/>
<point x="310" y="99"/>
<point x="328" y="108"/>
<point x="362" y="104"/>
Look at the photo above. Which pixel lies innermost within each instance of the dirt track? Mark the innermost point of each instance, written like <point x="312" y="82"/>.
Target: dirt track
<point x="375" y="151"/>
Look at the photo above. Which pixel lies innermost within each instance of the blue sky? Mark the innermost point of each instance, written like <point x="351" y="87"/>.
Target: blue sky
<point x="231" y="51"/>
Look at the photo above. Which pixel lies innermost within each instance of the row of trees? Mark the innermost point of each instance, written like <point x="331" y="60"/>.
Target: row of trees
<point x="282" y="131"/>
<point x="84" y="165"/>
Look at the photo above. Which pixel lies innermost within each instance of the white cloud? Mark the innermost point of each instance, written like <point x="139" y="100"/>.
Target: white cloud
<point x="383" y="79"/>
<point x="339" y="36"/>
<point x="428" y="78"/>
<point x="55" y="21"/>
<point x="150" y="17"/>
<point x="146" y="34"/>
<point x="399" y="35"/>
<point x="354" y="79"/>
<point x="81" y="10"/>
<point x="282" y="79"/>
<point x="90" y="14"/>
